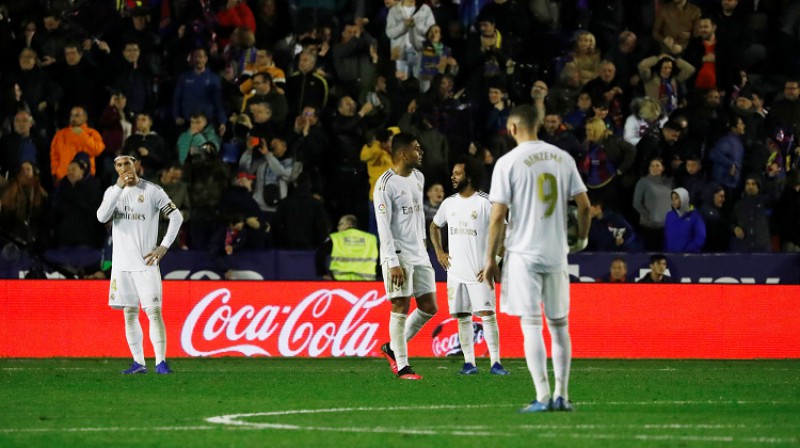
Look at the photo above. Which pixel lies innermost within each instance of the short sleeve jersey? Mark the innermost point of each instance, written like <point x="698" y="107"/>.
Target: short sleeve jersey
<point x="135" y="218"/>
<point x="401" y="218"/>
<point x="536" y="180"/>
<point x="467" y="221"/>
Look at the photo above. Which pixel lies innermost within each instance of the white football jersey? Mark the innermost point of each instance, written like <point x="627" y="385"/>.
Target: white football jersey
<point x="401" y="218"/>
<point x="135" y="211"/>
<point x="467" y="220"/>
<point x="536" y="180"/>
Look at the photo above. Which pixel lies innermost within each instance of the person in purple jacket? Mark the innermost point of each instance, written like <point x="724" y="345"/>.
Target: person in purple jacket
<point x="684" y="229"/>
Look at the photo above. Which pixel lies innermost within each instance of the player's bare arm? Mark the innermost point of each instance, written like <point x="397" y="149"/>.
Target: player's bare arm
<point x="436" y="240"/>
<point x="584" y="222"/>
<point x="491" y="271"/>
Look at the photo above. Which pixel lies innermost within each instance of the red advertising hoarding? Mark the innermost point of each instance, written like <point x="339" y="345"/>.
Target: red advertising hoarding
<point x="319" y="319"/>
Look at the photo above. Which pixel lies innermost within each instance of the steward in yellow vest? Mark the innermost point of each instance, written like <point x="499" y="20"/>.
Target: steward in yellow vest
<point x="354" y="253"/>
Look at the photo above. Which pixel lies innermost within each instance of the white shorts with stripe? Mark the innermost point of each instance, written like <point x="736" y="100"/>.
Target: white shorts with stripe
<point x="524" y="291"/>
<point x="132" y="288"/>
<point x="419" y="280"/>
<point x="469" y="298"/>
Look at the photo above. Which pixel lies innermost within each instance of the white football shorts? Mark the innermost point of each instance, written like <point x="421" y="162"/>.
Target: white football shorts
<point x="523" y="291"/>
<point x="132" y="288"/>
<point x="469" y="298"/>
<point x="419" y="280"/>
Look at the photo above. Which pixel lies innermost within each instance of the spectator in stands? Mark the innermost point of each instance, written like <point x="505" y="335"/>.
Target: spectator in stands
<point x="707" y="117"/>
<point x="617" y="272"/>
<point x="148" y="43"/>
<point x="170" y="179"/>
<point x="661" y="144"/>
<point x="75" y="204"/>
<point x="238" y="200"/>
<point x="486" y="59"/>
<point x="702" y="53"/>
<point x="785" y="111"/>
<point x="207" y="177"/>
<point x="610" y="232"/>
<point x="691" y="177"/>
<point x="585" y="57"/>
<point x="606" y="157"/>
<point x="750" y="219"/>
<point x="576" y="118"/>
<point x="23" y="145"/>
<point x="607" y="88"/>
<point x="684" y="230"/>
<point x="737" y="45"/>
<point x="626" y="56"/>
<point x="149" y="147"/>
<point x="263" y="64"/>
<point x="434" y="196"/>
<point x="227" y="238"/>
<point x="234" y="14"/>
<point x="378" y="157"/>
<point x="555" y="132"/>
<point x="564" y="94"/>
<point x="496" y="116"/>
<point x="133" y="76"/>
<point x="727" y="156"/>
<point x="436" y="58"/>
<point x="674" y="25"/>
<point x="76" y="138"/>
<point x="310" y="144"/>
<point x="718" y="233"/>
<point x="651" y="199"/>
<point x="274" y="173"/>
<point x="355" y="58"/>
<point x="301" y="220"/>
<point x="348" y="135"/>
<point x="24" y="206"/>
<point x="663" y="77"/>
<point x="272" y="22"/>
<point x="306" y="87"/>
<point x="645" y="117"/>
<point x="756" y="151"/>
<point x="115" y="126"/>
<point x="199" y="133"/>
<point x="265" y="91"/>
<point x="787" y="214"/>
<point x="77" y="77"/>
<point x="39" y="91"/>
<point x="424" y="125"/>
<point x="353" y="253"/>
<point x="658" y="269"/>
<point x="406" y="26"/>
<point x="199" y="90"/>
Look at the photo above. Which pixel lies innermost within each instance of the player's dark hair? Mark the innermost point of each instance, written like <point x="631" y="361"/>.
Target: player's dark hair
<point x="655" y="258"/>
<point x="402" y="142"/>
<point x="527" y="115"/>
<point x="472" y="170"/>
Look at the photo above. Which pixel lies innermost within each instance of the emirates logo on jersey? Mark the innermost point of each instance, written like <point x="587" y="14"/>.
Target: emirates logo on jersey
<point x="141" y="198"/>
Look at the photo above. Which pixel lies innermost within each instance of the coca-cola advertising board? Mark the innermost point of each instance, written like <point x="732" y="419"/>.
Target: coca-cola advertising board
<point x="51" y="318"/>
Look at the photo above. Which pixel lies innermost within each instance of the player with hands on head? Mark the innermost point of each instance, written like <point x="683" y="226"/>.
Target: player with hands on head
<point x="533" y="184"/>
<point x="466" y="215"/>
<point x="407" y="269"/>
<point x="133" y="206"/>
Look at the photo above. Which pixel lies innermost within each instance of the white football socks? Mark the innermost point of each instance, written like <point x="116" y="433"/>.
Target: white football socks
<point x="133" y="333"/>
<point x="466" y="337"/>
<point x="562" y="355"/>
<point x="158" y="333"/>
<point x="536" y="356"/>
<point x="397" y="338"/>
<point x="416" y="320"/>
<point x="492" y="335"/>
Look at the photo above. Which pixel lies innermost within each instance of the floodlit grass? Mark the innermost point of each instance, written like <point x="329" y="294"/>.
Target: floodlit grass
<point x="357" y="402"/>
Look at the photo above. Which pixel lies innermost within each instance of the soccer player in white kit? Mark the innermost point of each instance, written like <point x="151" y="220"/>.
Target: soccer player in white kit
<point x="466" y="215"/>
<point x="533" y="183"/>
<point x="407" y="269"/>
<point x="134" y="205"/>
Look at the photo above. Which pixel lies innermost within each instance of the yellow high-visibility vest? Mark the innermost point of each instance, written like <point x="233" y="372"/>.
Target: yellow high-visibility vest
<point x="354" y="255"/>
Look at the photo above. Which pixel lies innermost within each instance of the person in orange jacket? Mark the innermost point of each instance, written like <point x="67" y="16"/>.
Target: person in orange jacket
<point x="69" y="141"/>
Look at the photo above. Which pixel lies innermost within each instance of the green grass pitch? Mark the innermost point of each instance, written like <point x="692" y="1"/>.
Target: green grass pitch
<point x="236" y="402"/>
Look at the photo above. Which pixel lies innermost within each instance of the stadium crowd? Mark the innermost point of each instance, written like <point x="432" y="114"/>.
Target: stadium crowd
<point x="267" y="120"/>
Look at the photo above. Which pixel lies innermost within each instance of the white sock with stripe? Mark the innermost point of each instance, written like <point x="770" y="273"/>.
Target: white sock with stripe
<point x="562" y="355"/>
<point x="492" y="335"/>
<point x="133" y="333"/>
<point x="397" y="339"/>
<point x="466" y="336"/>
<point x="536" y="356"/>
<point x="416" y="320"/>
<point x="158" y="333"/>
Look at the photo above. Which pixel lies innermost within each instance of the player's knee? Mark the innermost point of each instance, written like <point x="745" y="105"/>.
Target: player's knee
<point x="459" y="315"/>
<point x="153" y="312"/>
<point x="531" y="320"/>
<point x="400" y="305"/>
<point x="485" y="314"/>
<point x="131" y="313"/>
<point x="560" y="322"/>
